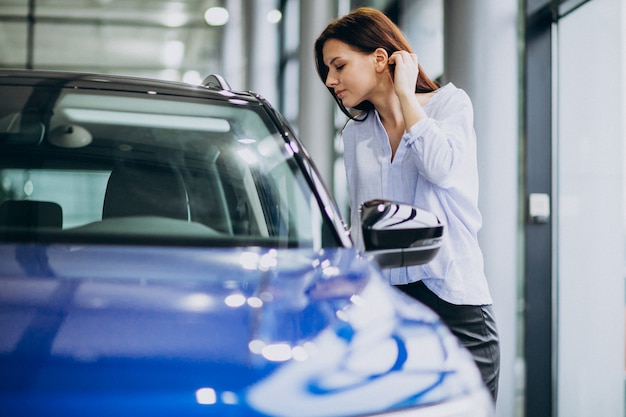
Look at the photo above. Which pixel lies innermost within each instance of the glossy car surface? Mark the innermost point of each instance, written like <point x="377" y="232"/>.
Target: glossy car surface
<point x="168" y="249"/>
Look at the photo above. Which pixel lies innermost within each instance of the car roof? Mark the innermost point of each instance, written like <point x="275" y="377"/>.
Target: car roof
<point x="112" y="82"/>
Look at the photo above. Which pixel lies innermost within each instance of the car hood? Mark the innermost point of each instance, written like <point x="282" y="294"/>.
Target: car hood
<point x="246" y="331"/>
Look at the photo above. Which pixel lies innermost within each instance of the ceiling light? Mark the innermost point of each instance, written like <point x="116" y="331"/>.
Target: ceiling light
<point x="174" y="20"/>
<point x="216" y="16"/>
<point x="274" y="16"/>
<point x="174" y="15"/>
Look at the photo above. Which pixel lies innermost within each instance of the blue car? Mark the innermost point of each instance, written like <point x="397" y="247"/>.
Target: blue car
<point x="170" y="250"/>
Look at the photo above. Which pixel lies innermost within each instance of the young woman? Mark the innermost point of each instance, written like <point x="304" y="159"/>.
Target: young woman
<point x="409" y="140"/>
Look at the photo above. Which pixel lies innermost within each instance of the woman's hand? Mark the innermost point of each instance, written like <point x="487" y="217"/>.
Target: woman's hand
<point x="405" y="73"/>
<point x="405" y="76"/>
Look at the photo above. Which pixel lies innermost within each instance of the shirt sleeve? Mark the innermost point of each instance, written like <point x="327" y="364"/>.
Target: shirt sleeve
<point x="349" y="143"/>
<point x="444" y="141"/>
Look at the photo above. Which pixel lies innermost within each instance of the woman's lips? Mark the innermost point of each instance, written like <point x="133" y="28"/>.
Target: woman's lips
<point x="340" y="93"/>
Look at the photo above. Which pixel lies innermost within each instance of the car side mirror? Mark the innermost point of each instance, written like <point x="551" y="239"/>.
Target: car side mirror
<point x="397" y="234"/>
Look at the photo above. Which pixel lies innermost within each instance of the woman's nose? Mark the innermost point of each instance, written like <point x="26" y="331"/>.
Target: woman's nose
<point x="330" y="80"/>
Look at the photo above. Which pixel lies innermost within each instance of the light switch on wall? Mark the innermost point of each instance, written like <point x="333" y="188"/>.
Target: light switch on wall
<point x="539" y="207"/>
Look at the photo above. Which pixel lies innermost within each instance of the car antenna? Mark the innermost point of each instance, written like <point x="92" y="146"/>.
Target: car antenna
<point x="216" y="81"/>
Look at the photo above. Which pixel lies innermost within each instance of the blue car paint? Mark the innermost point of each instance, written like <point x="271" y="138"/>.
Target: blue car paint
<point x="110" y="330"/>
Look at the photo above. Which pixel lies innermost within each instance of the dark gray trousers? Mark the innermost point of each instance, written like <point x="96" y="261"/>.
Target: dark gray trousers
<point x="474" y="326"/>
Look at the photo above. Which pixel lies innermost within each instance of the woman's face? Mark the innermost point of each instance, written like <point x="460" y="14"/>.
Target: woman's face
<point x="351" y="74"/>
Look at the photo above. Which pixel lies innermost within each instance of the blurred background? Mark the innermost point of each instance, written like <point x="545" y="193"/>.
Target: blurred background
<point x="547" y="81"/>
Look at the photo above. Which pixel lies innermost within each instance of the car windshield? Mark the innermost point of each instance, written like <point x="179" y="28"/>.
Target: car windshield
<point x="99" y="166"/>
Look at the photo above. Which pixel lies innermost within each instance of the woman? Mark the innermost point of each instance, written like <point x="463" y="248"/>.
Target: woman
<point x="408" y="140"/>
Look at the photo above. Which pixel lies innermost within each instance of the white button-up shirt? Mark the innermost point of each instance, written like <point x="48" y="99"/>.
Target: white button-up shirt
<point x="434" y="168"/>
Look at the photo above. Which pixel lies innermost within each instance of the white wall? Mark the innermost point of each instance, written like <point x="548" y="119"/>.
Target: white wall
<point x="589" y="224"/>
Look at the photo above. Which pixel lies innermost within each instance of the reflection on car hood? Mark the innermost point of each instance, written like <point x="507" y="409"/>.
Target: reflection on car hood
<point x="157" y="331"/>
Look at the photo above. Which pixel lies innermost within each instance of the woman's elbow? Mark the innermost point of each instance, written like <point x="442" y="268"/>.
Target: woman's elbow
<point x="443" y="174"/>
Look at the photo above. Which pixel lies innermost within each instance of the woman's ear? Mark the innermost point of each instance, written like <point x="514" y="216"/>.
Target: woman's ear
<point x="381" y="59"/>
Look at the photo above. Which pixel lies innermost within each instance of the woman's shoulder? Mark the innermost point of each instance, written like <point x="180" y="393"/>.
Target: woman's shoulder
<point x="449" y="95"/>
<point x="450" y="90"/>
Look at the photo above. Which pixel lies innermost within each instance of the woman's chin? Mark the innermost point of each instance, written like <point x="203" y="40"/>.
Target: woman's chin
<point x="348" y="104"/>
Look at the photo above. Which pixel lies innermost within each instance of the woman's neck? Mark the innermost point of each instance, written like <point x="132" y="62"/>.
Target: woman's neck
<point x="389" y="110"/>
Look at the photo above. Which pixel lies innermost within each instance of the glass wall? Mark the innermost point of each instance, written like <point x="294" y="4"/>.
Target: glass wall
<point x="589" y="227"/>
<point x="170" y="40"/>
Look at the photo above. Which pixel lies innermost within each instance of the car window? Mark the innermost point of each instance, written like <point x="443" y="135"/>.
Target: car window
<point x="147" y="168"/>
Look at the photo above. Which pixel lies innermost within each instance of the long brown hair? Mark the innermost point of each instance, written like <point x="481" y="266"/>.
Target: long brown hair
<point x="365" y="29"/>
